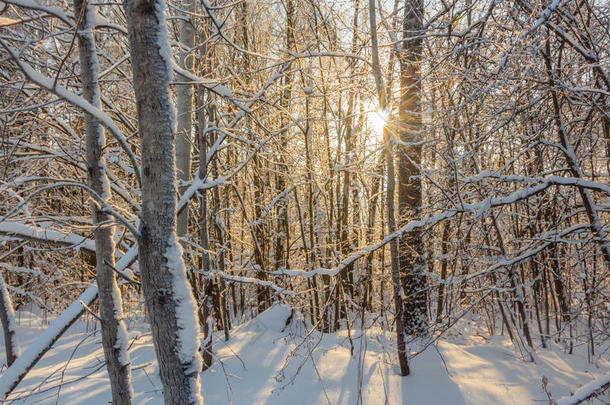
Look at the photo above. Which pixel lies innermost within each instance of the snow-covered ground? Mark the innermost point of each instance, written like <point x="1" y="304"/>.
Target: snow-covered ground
<point x="267" y="362"/>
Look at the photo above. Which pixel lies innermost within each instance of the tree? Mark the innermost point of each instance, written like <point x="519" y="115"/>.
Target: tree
<point x="184" y="109"/>
<point x="169" y="301"/>
<point x="499" y="137"/>
<point x="391" y="213"/>
<point x="114" y="333"/>
<point x="411" y="245"/>
<point x="7" y="317"/>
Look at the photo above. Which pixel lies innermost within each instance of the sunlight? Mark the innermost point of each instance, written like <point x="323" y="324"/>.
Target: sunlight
<point x="377" y="120"/>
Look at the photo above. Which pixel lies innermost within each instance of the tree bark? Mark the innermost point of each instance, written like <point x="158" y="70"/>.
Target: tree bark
<point x="168" y="297"/>
<point x="391" y="179"/>
<point x="184" y="112"/>
<point x="205" y="299"/>
<point x="394" y="257"/>
<point x="7" y="317"/>
<point x="411" y="245"/>
<point x="114" y="333"/>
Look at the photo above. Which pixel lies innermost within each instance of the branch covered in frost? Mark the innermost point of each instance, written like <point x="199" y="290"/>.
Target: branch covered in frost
<point x="106" y="208"/>
<point x="249" y="280"/>
<point x="76" y="101"/>
<point x="40" y="234"/>
<point x="477" y="209"/>
<point x="200" y="183"/>
<point x="34" y="352"/>
<point x="590" y="390"/>
<point x="33" y="5"/>
<point x="551" y="180"/>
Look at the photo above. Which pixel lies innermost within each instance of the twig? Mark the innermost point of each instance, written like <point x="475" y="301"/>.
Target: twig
<point x="96" y="316"/>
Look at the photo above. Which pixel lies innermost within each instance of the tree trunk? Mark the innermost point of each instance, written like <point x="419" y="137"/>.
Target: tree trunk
<point x="170" y="304"/>
<point x="7" y="316"/>
<point x="206" y="314"/>
<point x="597" y="228"/>
<point x="394" y="256"/>
<point x="114" y="333"/>
<point x="444" y="264"/>
<point x="282" y="235"/>
<point x="184" y="108"/>
<point x="391" y="176"/>
<point x="411" y="245"/>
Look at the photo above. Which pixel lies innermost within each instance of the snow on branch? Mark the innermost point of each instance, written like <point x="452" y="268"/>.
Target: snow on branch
<point x="587" y="391"/>
<point x="200" y="183"/>
<point x="77" y="101"/>
<point x="33" y="5"/>
<point x="268" y="208"/>
<point x="214" y="87"/>
<point x="15" y="373"/>
<point x="46" y="235"/>
<point x="34" y="352"/>
<point x="477" y="209"/>
<point x="249" y="280"/>
<point x="68" y="158"/>
<point x="527" y="254"/>
<point x="105" y="207"/>
<point x="25" y="270"/>
<point x="551" y="180"/>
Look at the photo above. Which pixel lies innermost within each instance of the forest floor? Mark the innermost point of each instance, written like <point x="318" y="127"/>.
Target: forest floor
<point x="266" y="361"/>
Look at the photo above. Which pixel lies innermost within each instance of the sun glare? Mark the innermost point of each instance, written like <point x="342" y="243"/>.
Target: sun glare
<point x="377" y="120"/>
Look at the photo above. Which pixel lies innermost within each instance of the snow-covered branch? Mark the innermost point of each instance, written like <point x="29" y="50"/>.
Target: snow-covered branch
<point x="587" y="391"/>
<point x="77" y="101"/>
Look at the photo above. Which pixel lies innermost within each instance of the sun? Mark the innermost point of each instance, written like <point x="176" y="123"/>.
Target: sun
<point x="377" y="120"/>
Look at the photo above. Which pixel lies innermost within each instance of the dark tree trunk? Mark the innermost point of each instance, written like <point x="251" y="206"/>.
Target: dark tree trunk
<point x="7" y="317"/>
<point x="411" y="245"/>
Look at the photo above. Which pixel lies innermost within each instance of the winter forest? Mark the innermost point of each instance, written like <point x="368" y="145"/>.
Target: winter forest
<point x="305" y="202"/>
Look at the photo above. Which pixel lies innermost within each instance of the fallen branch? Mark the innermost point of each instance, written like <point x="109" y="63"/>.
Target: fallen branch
<point x="34" y="352"/>
<point x="587" y="391"/>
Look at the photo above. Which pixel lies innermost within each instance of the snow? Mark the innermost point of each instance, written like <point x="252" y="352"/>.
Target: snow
<point x="27" y="357"/>
<point x="185" y="304"/>
<point x="551" y="180"/>
<point x="46" y="234"/>
<point x="10" y="315"/>
<point x="544" y="16"/>
<point x="47" y="336"/>
<point x="54" y="10"/>
<point x="267" y="361"/>
<point x="49" y="84"/>
<point x="586" y="391"/>
<point x="186" y="317"/>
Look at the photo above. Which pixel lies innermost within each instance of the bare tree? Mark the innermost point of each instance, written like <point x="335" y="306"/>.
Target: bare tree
<point x="7" y="317"/>
<point x="184" y="108"/>
<point x="168" y="297"/>
<point x="114" y="334"/>
<point x="412" y="250"/>
<point x="391" y="213"/>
